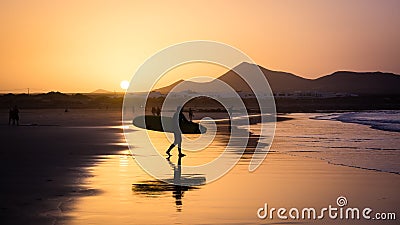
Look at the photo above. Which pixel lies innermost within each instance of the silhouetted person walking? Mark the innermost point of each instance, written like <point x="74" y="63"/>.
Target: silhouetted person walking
<point x="153" y="111"/>
<point x="15" y="115"/>
<point x="10" y="115"/>
<point x="190" y="114"/>
<point x="176" y="120"/>
<point x="158" y="111"/>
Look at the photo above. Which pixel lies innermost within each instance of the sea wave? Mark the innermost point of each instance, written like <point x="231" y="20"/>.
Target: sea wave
<point x="388" y="120"/>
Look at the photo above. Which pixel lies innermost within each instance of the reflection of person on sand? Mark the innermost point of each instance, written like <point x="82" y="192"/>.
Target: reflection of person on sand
<point x="178" y="189"/>
<point x="177" y="119"/>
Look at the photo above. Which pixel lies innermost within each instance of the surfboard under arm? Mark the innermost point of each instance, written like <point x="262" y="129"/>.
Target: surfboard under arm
<point x="156" y="123"/>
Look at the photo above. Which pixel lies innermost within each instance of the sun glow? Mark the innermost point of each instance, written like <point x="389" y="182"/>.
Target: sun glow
<point x="124" y="84"/>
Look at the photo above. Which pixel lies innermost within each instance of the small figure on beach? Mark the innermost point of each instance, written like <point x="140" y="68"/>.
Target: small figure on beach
<point x="13" y="115"/>
<point x="10" y="115"/>
<point x="230" y="111"/>
<point x="153" y="110"/>
<point x="158" y="111"/>
<point x="177" y="119"/>
<point x="190" y="114"/>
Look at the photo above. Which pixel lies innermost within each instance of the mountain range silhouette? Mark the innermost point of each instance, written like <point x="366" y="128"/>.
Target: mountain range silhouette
<point x="360" y="83"/>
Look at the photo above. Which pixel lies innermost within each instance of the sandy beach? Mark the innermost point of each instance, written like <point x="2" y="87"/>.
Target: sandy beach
<point x="45" y="161"/>
<point x="74" y="168"/>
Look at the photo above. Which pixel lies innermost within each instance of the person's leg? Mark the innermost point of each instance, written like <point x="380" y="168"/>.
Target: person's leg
<point x="177" y="140"/>
<point x="180" y="146"/>
<point x="169" y="149"/>
<point x="180" y="152"/>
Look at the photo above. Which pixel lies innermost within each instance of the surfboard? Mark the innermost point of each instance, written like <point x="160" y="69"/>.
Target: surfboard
<point x="156" y="123"/>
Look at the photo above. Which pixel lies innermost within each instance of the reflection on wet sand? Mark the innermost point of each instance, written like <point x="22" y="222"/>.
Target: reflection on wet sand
<point x="177" y="185"/>
<point x="130" y="196"/>
<point x="255" y="140"/>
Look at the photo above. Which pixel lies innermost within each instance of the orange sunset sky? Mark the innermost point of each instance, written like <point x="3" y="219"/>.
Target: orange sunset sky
<point x="81" y="46"/>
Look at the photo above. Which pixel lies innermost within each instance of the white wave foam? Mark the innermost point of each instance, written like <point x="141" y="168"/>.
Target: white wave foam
<point x="381" y="120"/>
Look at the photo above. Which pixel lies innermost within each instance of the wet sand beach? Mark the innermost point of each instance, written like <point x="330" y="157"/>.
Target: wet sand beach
<point x="45" y="161"/>
<point x="81" y="172"/>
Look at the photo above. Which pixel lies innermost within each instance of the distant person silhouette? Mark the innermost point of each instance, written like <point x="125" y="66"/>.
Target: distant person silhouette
<point x="153" y="111"/>
<point x="10" y="115"/>
<point x="190" y="114"/>
<point x="230" y="111"/>
<point x="15" y="115"/>
<point x="158" y="111"/>
<point x="176" y="120"/>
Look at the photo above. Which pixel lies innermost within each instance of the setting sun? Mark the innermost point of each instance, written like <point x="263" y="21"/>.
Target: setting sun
<point x="124" y="84"/>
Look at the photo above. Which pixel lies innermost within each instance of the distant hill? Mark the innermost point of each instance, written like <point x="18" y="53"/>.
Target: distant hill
<point x="362" y="83"/>
<point x="278" y="81"/>
<point x="100" y="91"/>
<point x="166" y="89"/>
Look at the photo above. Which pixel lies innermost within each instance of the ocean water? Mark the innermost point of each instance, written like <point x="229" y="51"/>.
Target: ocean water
<point x="365" y="140"/>
<point x="388" y="120"/>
